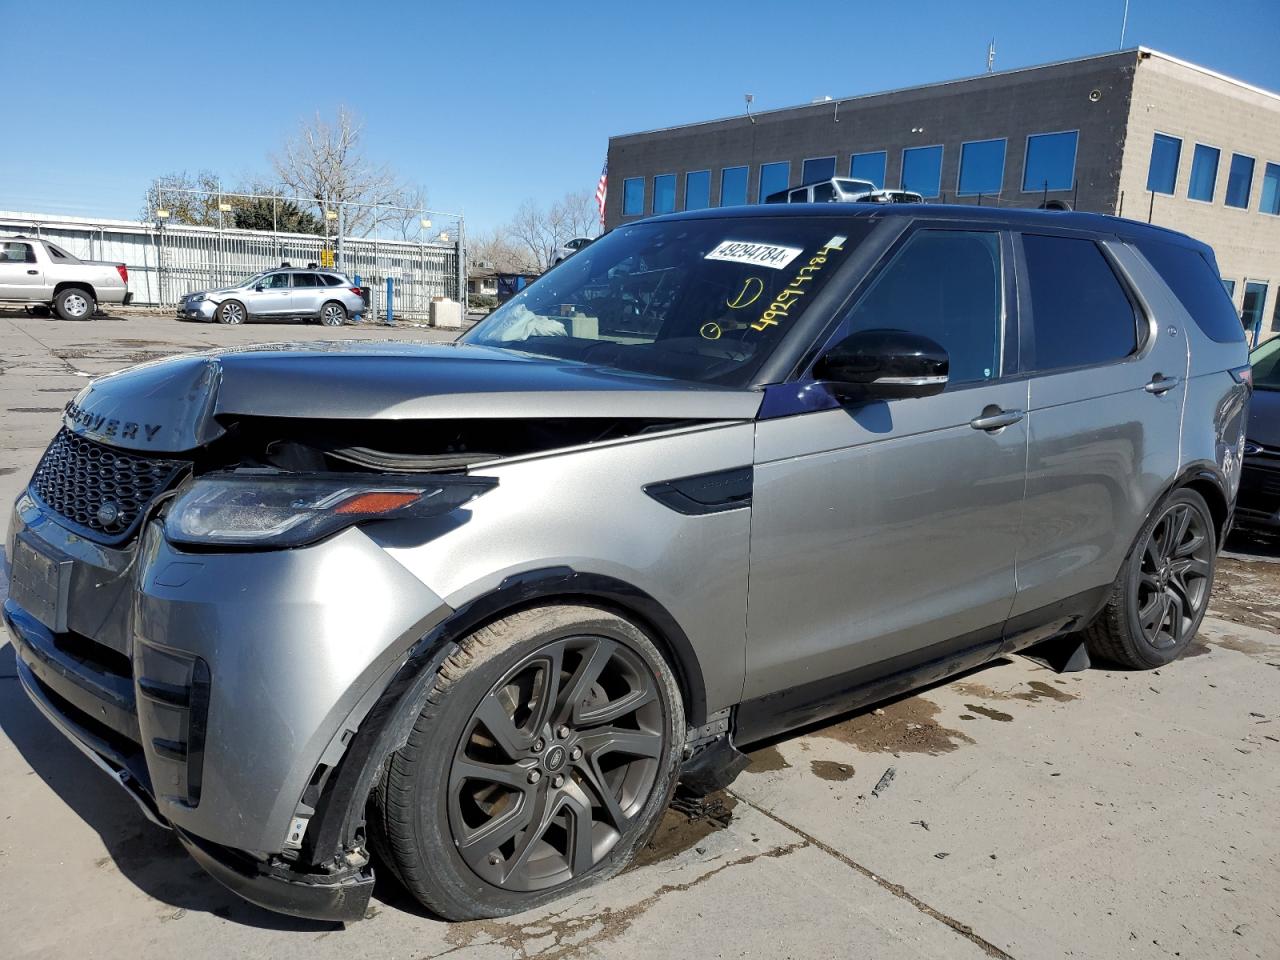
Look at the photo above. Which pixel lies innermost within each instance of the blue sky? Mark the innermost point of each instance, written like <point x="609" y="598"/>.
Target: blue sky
<point x="487" y="104"/>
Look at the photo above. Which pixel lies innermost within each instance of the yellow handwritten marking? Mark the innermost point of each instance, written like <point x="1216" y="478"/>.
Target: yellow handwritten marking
<point x="737" y="303"/>
<point x="786" y="298"/>
<point x="710" y="331"/>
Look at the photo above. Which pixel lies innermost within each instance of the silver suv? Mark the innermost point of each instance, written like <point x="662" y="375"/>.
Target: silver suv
<point x="311" y="294"/>
<point x="475" y="609"/>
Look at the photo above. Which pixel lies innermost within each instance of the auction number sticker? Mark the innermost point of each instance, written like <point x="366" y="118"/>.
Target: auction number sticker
<point x="756" y="254"/>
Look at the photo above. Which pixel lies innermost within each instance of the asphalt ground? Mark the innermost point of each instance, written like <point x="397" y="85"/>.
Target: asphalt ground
<point x="1100" y="814"/>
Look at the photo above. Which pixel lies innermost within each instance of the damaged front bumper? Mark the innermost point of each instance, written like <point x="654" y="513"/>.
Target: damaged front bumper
<point x="219" y="690"/>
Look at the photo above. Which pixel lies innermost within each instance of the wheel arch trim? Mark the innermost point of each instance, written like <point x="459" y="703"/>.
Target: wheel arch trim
<point x="338" y="824"/>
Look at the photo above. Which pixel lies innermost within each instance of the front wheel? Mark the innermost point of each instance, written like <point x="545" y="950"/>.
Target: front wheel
<point x="544" y="757"/>
<point x="232" y="312"/>
<point x="1162" y="593"/>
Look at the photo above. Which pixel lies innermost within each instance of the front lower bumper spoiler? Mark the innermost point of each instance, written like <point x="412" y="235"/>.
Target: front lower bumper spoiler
<point x="343" y="898"/>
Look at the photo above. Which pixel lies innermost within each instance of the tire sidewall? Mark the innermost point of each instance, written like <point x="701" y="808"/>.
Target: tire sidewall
<point x="463" y="894"/>
<point x="1138" y="643"/>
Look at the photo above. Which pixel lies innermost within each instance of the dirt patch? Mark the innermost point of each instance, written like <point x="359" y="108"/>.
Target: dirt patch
<point x="558" y="937"/>
<point x="35" y="409"/>
<point x="767" y="760"/>
<point x="830" y="770"/>
<point x="686" y="823"/>
<point x="1253" y="648"/>
<point x="1036" y="691"/>
<point x="991" y="713"/>
<point x="1248" y="592"/>
<point x="5" y="471"/>
<point x="905" y="726"/>
<point x="1196" y="649"/>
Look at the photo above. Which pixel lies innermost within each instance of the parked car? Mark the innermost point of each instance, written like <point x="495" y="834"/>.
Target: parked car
<point x="892" y="196"/>
<point x="480" y="606"/>
<point x="570" y="247"/>
<point x="835" y="190"/>
<point x="42" y="276"/>
<point x="1258" y="509"/>
<point x="309" y="294"/>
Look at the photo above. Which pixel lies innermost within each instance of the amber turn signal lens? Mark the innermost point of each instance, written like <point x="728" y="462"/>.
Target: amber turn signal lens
<point x="377" y="502"/>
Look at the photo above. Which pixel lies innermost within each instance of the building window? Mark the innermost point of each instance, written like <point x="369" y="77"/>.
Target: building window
<point x="1255" y="300"/>
<point x="868" y="166"/>
<point x="1050" y="162"/>
<point x="981" y="167"/>
<point x="1163" y="172"/>
<point x="1204" y="172"/>
<point x="664" y="193"/>
<point x="1239" y="181"/>
<point x="922" y="170"/>
<point x="733" y="186"/>
<point x="633" y="196"/>
<point x="817" y="169"/>
<point x="1271" y="189"/>
<point x="1230" y="287"/>
<point x="774" y="178"/>
<point x="697" y="190"/>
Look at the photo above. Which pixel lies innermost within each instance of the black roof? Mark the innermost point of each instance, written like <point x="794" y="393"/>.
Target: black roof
<point x="1087" y="222"/>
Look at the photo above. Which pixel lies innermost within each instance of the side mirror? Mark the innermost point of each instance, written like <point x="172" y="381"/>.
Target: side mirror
<point x="884" y="365"/>
<point x="258" y="288"/>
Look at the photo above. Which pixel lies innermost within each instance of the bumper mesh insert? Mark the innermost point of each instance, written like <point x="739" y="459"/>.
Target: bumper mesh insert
<point x="101" y="491"/>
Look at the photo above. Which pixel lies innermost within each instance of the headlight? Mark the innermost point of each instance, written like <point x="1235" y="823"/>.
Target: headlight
<point x="195" y="298"/>
<point x="265" y="508"/>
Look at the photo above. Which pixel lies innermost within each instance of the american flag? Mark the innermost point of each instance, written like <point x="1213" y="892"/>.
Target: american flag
<point x="602" y="191"/>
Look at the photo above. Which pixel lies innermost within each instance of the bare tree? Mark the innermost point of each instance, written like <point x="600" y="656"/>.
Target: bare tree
<point x="541" y="233"/>
<point x="189" y="199"/>
<point x="323" y="162"/>
<point x="497" y="248"/>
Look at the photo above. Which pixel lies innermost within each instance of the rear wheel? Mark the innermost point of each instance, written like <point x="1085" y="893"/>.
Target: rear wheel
<point x="333" y="314"/>
<point x="1162" y="592"/>
<point x="543" y="759"/>
<point x="74" y="304"/>
<point x="231" y="311"/>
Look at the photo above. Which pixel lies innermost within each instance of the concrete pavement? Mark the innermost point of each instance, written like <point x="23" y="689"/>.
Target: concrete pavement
<point x="1104" y="814"/>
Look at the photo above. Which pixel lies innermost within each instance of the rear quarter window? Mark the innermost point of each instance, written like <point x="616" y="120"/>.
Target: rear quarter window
<point x="1081" y="315"/>
<point x="1196" y="285"/>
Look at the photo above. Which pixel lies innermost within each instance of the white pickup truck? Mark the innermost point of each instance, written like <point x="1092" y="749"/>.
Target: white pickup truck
<point x="43" y="276"/>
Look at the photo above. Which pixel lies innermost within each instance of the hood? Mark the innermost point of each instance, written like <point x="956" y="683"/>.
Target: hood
<point x="181" y="403"/>
<point x="1264" y="418"/>
<point x="218" y="294"/>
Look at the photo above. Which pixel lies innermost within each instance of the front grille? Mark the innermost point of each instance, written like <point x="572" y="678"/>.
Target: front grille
<point x="102" y="491"/>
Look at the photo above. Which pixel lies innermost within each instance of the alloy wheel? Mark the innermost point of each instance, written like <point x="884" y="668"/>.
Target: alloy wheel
<point x="232" y="313"/>
<point x="332" y="316"/>
<point x="75" y="305"/>
<point x="1174" y="576"/>
<point x="555" y="763"/>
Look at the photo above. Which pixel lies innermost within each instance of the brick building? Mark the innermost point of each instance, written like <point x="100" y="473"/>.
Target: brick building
<point x="1136" y="133"/>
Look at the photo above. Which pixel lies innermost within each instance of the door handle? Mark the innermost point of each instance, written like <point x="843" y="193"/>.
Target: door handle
<point x="993" y="418"/>
<point x="33" y="272"/>
<point x="1161" y="384"/>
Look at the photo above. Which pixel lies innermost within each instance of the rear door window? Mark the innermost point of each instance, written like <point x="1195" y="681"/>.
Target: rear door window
<point x="305" y="280"/>
<point x="1196" y="285"/>
<point x="16" y="253"/>
<point x="824" y="192"/>
<point x="1080" y="313"/>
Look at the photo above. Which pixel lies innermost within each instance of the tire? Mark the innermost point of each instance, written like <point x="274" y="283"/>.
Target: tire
<point x="333" y="314"/>
<point x="74" y="303"/>
<point x="232" y="312"/>
<point x="454" y="783"/>
<point x="1162" y="591"/>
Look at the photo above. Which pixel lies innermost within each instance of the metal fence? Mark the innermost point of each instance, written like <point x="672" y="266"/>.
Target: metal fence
<point x="167" y="260"/>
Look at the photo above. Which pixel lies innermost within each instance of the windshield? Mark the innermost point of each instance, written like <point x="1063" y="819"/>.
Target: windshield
<point x="1266" y="365"/>
<point x="252" y="281"/>
<point x="700" y="300"/>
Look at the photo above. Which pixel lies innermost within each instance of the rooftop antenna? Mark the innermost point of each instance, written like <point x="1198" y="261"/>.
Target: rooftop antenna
<point x="1124" y="22"/>
<point x="750" y="98"/>
<point x="991" y="54"/>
